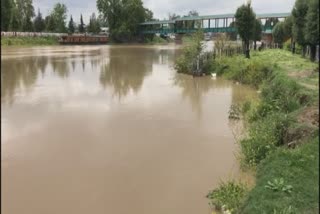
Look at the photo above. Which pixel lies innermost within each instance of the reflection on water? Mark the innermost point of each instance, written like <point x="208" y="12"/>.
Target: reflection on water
<point x="125" y="71"/>
<point x="89" y="129"/>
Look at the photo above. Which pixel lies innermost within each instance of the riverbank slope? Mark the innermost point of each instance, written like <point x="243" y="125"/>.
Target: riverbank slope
<point x="282" y="142"/>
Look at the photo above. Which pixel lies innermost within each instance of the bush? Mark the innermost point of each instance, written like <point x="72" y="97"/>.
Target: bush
<point x="265" y="135"/>
<point x="191" y="51"/>
<point x="283" y="94"/>
<point x="228" y="196"/>
<point x="247" y="71"/>
<point x="287" y="46"/>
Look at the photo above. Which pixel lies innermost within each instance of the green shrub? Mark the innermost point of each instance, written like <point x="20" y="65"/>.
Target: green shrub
<point x="265" y="135"/>
<point x="243" y="70"/>
<point x="228" y="196"/>
<point x="282" y="93"/>
<point x="186" y="63"/>
<point x="287" y="46"/>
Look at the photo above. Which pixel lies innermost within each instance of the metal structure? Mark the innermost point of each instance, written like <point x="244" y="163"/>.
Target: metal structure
<point x="211" y="23"/>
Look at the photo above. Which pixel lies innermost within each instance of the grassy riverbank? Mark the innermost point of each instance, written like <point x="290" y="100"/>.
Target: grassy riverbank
<point x="282" y="133"/>
<point x="28" y="41"/>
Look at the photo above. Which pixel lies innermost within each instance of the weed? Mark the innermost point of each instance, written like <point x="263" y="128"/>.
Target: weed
<point x="278" y="185"/>
<point x="228" y="196"/>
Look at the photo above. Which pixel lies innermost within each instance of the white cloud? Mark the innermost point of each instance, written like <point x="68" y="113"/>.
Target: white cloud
<point x="162" y="8"/>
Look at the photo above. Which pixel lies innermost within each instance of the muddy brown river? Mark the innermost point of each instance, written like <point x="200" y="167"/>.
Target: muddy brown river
<point x="111" y="130"/>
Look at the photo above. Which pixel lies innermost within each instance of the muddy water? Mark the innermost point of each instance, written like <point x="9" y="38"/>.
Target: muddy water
<point x="111" y="129"/>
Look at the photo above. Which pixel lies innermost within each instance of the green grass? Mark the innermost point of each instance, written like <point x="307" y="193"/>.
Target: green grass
<point x="298" y="168"/>
<point x="228" y="196"/>
<point x="287" y="179"/>
<point x="28" y="41"/>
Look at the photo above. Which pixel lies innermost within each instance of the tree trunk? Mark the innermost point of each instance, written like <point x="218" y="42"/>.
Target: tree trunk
<point x="247" y="50"/>
<point x="313" y="50"/>
<point x="255" y="45"/>
<point x="293" y="47"/>
<point x="304" y="50"/>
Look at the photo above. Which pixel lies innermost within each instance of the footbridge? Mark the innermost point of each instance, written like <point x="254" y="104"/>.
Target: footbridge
<point x="212" y="23"/>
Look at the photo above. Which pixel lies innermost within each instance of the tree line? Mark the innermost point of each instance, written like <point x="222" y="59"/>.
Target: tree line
<point x="302" y="27"/>
<point x="123" y="17"/>
<point x="19" y="15"/>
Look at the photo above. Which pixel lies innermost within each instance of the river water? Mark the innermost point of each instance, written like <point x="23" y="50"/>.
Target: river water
<point x="111" y="130"/>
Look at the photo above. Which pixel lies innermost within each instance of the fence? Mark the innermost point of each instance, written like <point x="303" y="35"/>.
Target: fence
<point x="31" y="34"/>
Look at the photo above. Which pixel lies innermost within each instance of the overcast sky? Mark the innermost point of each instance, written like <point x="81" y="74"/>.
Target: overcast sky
<point x="161" y="8"/>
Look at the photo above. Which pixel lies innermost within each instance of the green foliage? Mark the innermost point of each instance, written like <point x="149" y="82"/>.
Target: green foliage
<point x="39" y="23"/>
<point x="25" y="12"/>
<point x="245" y="24"/>
<point x="17" y="15"/>
<point x="278" y="184"/>
<point x="193" y="46"/>
<point x="15" y="20"/>
<point x="94" y="24"/>
<point x="50" y="24"/>
<point x="238" y="68"/>
<point x="26" y="41"/>
<point x="300" y="169"/>
<point x="58" y="18"/>
<point x="81" y="25"/>
<point x="71" y="26"/>
<point x="312" y="24"/>
<point x="278" y="33"/>
<point x="228" y="196"/>
<point x="287" y="26"/>
<point x="269" y="122"/>
<point x="283" y="93"/>
<point x="299" y="14"/>
<point x="265" y="135"/>
<point x="257" y="32"/>
<point x="6" y="13"/>
<point x="287" y="46"/>
<point x="123" y="17"/>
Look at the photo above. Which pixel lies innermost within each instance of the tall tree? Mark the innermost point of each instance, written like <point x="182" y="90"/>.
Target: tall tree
<point x="59" y="16"/>
<point x="94" y="24"/>
<point x="312" y="27"/>
<point x="149" y="14"/>
<point x="71" y="26"/>
<point x="232" y="35"/>
<point x="257" y="32"/>
<point x="25" y="14"/>
<point x="15" y="19"/>
<point x="50" y="24"/>
<point x="123" y="17"/>
<point x="38" y="23"/>
<point x="278" y="33"/>
<point x="81" y="25"/>
<point x="245" y="21"/>
<point x="299" y="14"/>
<point x="6" y="13"/>
<point x="287" y="26"/>
<point x="287" y="29"/>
